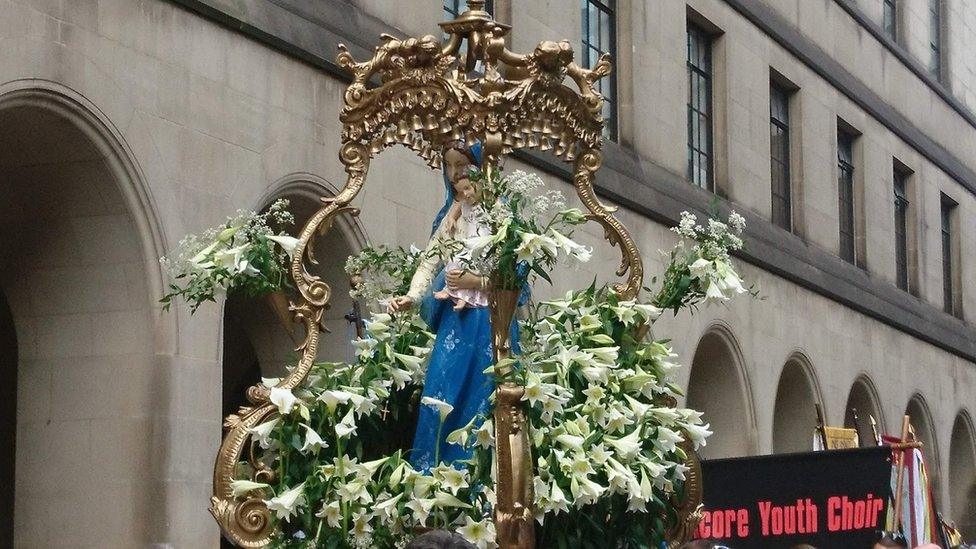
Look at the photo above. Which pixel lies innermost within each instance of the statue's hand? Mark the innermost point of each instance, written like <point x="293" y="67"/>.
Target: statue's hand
<point x="400" y="303"/>
<point x="459" y="279"/>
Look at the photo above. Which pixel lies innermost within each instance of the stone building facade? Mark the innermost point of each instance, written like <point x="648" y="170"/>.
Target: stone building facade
<point x="843" y="130"/>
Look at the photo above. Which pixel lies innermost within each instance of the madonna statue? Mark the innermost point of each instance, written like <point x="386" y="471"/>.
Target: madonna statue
<point x="454" y="303"/>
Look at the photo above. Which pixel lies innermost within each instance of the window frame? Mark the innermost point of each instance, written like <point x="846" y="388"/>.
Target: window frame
<point x="900" y="191"/>
<point x="704" y="115"/>
<point x="846" y="182"/>
<point x="889" y="19"/>
<point x="947" y="209"/>
<point x="936" y="62"/>
<point x="608" y="9"/>
<point x="784" y="198"/>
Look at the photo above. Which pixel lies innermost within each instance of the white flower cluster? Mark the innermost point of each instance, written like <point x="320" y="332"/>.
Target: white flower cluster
<point x="523" y="227"/>
<point x="700" y="267"/>
<point x="327" y="495"/>
<point x="383" y="272"/>
<point x="244" y="252"/>
<point x="600" y="429"/>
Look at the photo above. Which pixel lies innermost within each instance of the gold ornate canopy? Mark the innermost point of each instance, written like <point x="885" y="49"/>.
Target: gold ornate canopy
<point x="424" y="93"/>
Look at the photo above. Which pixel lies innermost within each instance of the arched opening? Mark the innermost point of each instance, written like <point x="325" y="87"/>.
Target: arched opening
<point x="256" y="343"/>
<point x="962" y="471"/>
<point x="863" y="404"/>
<point x="921" y="420"/>
<point x="794" y="415"/>
<point x="73" y="270"/>
<point x="718" y="389"/>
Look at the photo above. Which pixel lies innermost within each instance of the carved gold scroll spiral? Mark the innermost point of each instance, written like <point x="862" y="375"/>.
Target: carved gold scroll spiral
<point x="417" y="93"/>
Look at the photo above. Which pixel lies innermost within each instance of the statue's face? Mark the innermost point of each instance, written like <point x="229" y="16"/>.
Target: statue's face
<point x="465" y="191"/>
<point x="455" y="162"/>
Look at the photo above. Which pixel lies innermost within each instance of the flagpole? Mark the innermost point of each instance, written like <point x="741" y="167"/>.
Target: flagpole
<point x="905" y="423"/>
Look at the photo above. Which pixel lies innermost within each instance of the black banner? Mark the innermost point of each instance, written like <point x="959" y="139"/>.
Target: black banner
<point x="834" y="499"/>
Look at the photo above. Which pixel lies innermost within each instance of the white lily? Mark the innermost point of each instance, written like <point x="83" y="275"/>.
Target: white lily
<point x="287" y="243"/>
<point x="443" y="409"/>
<point x="558" y="500"/>
<point x="262" y="433"/>
<point x="388" y="506"/>
<point x="347" y="426"/>
<point x="667" y="439"/>
<point x="364" y="347"/>
<point x="570" y="442"/>
<point x="533" y="390"/>
<point x="605" y="354"/>
<point x="284" y="399"/>
<point x="333" y="398"/>
<point x="480" y="534"/>
<point x="571" y="247"/>
<point x="477" y="244"/>
<point x="649" y="312"/>
<point x="200" y="261"/>
<point x="287" y="504"/>
<point x="240" y="488"/>
<point x="451" y="478"/>
<point x="312" y="440"/>
<point x="698" y="433"/>
<point x="485" y="435"/>
<point x="627" y="446"/>
<point x="590" y="322"/>
<point x="362" y="530"/>
<point x="230" y="258"/>
<point x="713" y="293"/>
<point x="421" y="509"/>
<point x="535" y="245"/>
<point x="445" y="500"/>
<point x="410" y="361"/>
<point x="701" y="268"/>
<point x="626" y="314"/>
<point x="331" y="513"/>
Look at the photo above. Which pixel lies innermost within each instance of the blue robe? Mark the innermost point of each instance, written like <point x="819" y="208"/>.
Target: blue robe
<point x="455" y="374"/>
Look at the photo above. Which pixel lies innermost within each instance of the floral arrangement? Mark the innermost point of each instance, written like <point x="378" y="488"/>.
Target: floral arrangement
<point x="244" y="254"/>
<point x="382" y="272"/>
<point x="527" y="229"/>
<point x="340" y="479"/>
<point x="604" y="432"/>
<point x="607" y="440"/>
<point x="699" y="268"/>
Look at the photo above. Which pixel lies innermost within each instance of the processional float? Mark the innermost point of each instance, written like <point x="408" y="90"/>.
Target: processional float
<point x="423" y="93"/>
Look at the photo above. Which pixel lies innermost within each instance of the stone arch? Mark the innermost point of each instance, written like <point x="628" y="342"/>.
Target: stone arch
<point x="79" y="242"/>
<point x="794" y="412"/>
<point x="962" y="471"/>
<point x="254" y="341"/>
<point x="719" y="387"/>
<point x="863" y="398"/>
<point x="925" y="431"/>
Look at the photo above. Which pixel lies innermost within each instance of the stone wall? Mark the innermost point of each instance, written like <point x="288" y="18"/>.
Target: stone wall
<point x="188" y="120"/>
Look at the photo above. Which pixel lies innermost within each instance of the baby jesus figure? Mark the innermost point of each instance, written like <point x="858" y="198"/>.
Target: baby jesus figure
<point x="461" y="223"/>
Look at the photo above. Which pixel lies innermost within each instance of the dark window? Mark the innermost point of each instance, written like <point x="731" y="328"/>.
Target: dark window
<point x="891" y="19"/>
<point x="700" y="107"/>
<point x="935" y="37"/>
<point x="845" y="193"/>
<point x="599" y="37"/>
<point x="901" y="228"/>
<point x="948" y="301"/>
<point x="779" y="155"/>
<point x="454" y="8"/>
